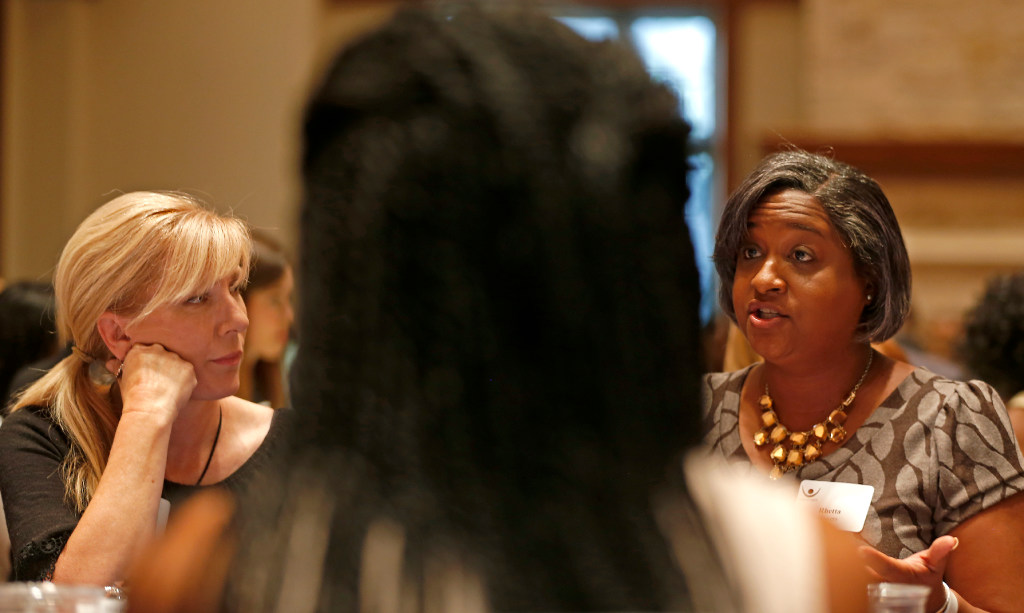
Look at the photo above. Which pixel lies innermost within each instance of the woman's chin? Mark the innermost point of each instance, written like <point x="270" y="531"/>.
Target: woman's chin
<point x="769" y="352"/>
<point x="217" y="391"/>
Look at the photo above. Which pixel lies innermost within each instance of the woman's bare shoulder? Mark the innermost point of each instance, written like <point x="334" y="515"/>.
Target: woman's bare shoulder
<point x="249" y="412"/>
<point x="247" y="424"/>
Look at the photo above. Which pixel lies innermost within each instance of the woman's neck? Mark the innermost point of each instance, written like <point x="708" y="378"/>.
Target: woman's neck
<point x="246" y="377"/>
<point x="804" y="395"/>
<point x="192" y="436"/>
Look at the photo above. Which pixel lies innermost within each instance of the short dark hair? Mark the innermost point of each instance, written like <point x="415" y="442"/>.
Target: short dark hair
<point x="992" y="345"/>
<point x="860" y="214"/>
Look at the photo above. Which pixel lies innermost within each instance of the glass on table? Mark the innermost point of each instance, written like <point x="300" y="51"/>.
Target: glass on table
<point x="46" y="597"/>
<point x="897" y="597"/>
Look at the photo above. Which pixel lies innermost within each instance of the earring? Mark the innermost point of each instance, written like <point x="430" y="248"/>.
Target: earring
<point x="120" y="370"/>
<point x="870" y="297"/>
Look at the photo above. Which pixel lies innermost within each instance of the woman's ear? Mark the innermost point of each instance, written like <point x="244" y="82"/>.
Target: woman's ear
<point x="111" y="327"/>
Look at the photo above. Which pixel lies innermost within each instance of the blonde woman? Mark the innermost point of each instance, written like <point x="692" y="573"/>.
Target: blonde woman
<point x="149" y="291"/>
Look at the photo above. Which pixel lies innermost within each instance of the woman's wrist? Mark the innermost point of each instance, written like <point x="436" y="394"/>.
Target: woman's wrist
<point x="147" y="417"/>
<point x="951" y="605"/>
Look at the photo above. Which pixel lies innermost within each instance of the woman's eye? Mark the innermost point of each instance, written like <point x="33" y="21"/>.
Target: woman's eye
<point x="196" y="299"/>
<point x="748" y="253"/>
<point x="802" y="255"/>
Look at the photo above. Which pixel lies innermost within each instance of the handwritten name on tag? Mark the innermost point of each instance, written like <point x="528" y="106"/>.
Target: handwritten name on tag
<point x="844" y="504"/>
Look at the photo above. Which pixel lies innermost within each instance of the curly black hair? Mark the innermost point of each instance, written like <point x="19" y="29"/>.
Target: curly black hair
<point x="499" y="306"/>
<point x="992" y="344"/>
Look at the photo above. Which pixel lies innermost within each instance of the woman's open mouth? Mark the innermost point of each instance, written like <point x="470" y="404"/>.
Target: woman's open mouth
<point x="763" y="312"/>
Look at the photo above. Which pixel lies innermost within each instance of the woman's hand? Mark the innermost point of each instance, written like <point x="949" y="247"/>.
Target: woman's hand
<point x="121" y="517"/>
<point x="923" y="568"/>
<point x="186" y="569"/>
<point x="154" y="380"/>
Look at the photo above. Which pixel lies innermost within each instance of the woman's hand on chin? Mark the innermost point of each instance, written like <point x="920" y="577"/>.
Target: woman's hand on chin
<point x="923" y="568"/>
<point x="154" y="380"/>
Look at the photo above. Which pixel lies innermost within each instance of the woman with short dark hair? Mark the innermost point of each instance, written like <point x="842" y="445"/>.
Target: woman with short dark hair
<point x="814" y="269"/>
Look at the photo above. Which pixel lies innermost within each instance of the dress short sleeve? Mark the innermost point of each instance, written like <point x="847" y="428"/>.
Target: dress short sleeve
<point x="38" y="520"/>
<point x="979" y="461"/>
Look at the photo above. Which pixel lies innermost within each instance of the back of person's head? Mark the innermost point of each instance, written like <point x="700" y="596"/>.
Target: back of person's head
<point x="499" y="331"/>
<point x="992" y="345"/>
<point x="133" y="254"/>
<point x="27" y="328"/>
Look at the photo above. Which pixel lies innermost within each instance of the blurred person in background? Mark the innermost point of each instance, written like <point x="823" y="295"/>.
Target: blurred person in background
<point x="992" y="346"/>
<point x="28" y="332"/>
<point x="268" y="302"/>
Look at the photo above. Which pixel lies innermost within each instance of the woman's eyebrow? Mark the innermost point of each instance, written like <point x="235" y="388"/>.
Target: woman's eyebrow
<point x="795" y="225"/>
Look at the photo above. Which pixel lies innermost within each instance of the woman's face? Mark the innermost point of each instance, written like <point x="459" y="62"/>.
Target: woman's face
<point x="796" y="293"/>
<point x="270" y="318"/>
<point x="207" y="330"/>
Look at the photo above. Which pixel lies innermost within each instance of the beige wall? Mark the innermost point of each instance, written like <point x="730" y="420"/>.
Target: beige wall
<point x="767" y="78"/>
<point x="205" y="95"/>
<point x="118" y="95"/>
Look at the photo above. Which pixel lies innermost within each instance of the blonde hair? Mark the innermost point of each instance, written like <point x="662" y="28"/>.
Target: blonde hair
<point x="132" y="255"/>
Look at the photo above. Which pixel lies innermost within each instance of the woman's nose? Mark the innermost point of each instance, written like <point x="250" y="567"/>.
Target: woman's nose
<point x="767" y="278"/>
<point x="236" y="318"/>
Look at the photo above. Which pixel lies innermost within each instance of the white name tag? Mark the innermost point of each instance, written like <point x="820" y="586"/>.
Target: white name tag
<point x="844" y="504"/>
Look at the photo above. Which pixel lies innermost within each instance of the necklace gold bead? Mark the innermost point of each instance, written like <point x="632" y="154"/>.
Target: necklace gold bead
<point x="791" y="450"/>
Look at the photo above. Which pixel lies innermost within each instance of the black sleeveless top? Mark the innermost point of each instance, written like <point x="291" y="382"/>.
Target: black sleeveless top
<point x="39" y="520"/>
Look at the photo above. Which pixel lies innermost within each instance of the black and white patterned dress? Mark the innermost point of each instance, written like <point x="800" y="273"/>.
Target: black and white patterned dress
<point x="936" y="451"/>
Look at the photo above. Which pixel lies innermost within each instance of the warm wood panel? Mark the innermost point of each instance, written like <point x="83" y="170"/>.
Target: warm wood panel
<point x="970" y="158"/>
<point x="960" y="203"/>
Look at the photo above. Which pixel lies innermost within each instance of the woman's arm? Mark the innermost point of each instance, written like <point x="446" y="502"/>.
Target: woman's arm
<point x="186" y="569"/>
<point x="988" y="566"/>
<point x="982" y="561"/>
<point x="121" y="517"/>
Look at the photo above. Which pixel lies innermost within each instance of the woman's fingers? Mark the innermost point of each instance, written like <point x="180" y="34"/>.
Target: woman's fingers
<point x="924" y="567"/>
<point x="936" y="556"/>
<point x="155" y="379"/>
<point x="921" y="567"/>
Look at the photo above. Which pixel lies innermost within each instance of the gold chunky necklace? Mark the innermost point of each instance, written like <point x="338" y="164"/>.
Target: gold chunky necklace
<point x="795" y="449"/>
